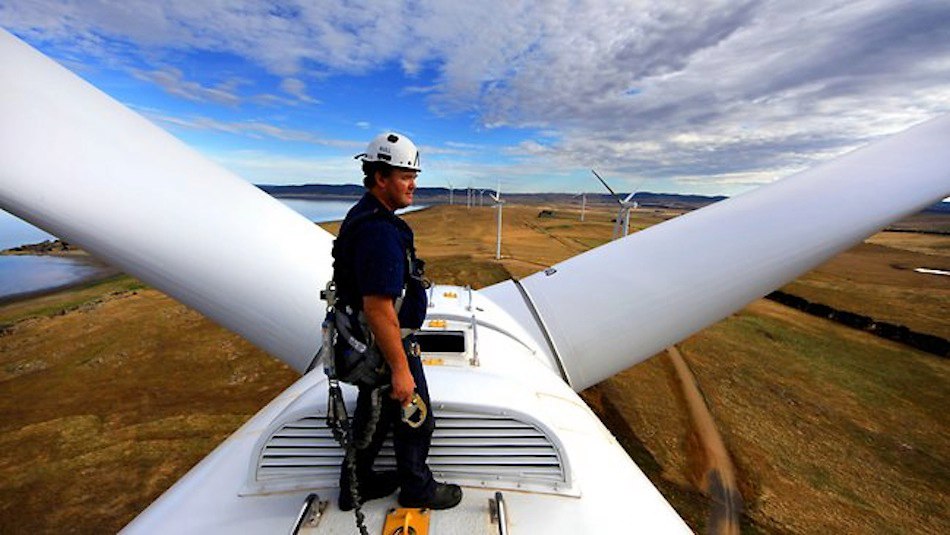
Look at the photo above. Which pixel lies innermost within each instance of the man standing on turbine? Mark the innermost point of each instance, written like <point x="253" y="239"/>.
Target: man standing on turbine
<point x="379" y="286"/>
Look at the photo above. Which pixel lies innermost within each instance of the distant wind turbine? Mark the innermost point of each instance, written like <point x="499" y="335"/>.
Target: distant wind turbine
<point x="498" y="204"/>
<point x="451" y="192"/>
<point x="583" y="197"/>
<point x="622" y="222"/>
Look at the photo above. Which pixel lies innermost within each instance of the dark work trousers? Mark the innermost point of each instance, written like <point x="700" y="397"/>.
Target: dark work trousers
<point x="411" y="445"/>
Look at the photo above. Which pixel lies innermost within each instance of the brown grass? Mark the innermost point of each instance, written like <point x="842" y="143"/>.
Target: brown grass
<point x="929" y="244"/>
<point x="105" y="406"/>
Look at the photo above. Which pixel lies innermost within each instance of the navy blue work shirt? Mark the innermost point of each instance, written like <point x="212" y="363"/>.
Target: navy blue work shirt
<point x="374" y="258"/>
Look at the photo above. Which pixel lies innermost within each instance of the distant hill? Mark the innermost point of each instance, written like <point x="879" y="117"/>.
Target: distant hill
<point x="441" y="195"/>
<point x="939" y="208"/>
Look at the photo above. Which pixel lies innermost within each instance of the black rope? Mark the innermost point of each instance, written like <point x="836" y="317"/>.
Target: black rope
<point x="339" y="424"/>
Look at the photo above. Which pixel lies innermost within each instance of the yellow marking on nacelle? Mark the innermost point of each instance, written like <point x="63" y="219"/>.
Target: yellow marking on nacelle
<point x="404" y="521"/>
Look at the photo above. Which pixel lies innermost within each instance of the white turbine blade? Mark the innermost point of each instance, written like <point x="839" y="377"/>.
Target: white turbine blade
<point x="80" y="165"/>
<point x="692" y="271"/>
<point x="627" y="199"/>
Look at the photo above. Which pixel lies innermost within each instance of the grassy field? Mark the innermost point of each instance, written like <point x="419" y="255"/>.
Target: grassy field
<point x="831" y="430"/>
<point x="877" y="279"/>
<point x="110" y="393"/>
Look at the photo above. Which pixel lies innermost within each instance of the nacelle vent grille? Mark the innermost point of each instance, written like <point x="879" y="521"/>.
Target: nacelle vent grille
<point x="475" y="449"/>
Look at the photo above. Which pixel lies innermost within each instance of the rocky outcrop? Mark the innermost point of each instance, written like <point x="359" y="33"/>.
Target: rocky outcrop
<point x="44" y="247"/>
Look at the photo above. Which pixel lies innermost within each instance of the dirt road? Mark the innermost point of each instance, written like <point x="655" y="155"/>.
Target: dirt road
<point x="719" y="478"/>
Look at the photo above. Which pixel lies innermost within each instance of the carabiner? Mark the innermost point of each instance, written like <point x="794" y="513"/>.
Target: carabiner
<point x="414" y="414"/>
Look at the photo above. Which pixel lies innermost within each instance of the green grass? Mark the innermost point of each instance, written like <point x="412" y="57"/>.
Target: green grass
<point x="66" y="300"/>
<point x="852" y="429"/>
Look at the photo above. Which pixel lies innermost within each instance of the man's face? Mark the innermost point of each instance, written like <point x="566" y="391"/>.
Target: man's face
<point x="396" y="189"/>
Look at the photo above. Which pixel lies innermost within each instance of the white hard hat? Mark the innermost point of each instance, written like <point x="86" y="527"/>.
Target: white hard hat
<point x="395" y="149"/>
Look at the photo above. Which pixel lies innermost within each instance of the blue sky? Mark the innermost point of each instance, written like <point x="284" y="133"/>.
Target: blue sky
<point x="710" y="97"/>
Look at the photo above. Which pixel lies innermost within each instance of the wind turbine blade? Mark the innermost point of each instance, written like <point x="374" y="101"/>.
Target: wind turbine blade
<point x="82" y="166"/>
<point x="628" y="197"/>
<point x="602" y="181"/>
<point x="692" y="271"/>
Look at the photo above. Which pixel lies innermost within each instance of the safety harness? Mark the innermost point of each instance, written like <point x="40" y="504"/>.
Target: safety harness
<point x="349" y="354"/>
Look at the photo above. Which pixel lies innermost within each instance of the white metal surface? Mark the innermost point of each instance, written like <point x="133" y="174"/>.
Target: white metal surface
<point x="80" y="165"/>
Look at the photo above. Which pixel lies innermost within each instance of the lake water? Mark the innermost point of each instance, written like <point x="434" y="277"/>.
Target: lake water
<point x="20" y="274"/>
<point x="25" y="274"/>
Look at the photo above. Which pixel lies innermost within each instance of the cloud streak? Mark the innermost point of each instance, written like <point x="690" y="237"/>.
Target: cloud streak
<point x="251" y="129"/>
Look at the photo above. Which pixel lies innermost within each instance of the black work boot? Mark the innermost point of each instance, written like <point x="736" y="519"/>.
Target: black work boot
<point x="445" y="496"/>
<point x="382" y="484"/>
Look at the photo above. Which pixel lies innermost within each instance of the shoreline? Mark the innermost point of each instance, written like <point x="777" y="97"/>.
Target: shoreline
<point x="107" y="273"/>
<point x="57" y="248"/>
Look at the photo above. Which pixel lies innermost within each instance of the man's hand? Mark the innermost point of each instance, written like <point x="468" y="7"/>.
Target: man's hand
<point x="404" y="386"/>
<point x="381" y="316"/>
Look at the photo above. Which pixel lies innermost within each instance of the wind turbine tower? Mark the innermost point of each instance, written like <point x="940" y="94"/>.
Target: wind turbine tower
<point x="583" y="197"/>
<point x="622" y="222"/>
<point x="498" y="204"/>
<point x="451" y="194"/>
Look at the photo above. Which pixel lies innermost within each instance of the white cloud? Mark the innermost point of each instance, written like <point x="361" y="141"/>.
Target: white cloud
<point x="172" y="80"/>
<point x="262" y="167"/>
<point x="251" y="129"/>
<point x="298" y="89"/>
<point x="719" y="88"/>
